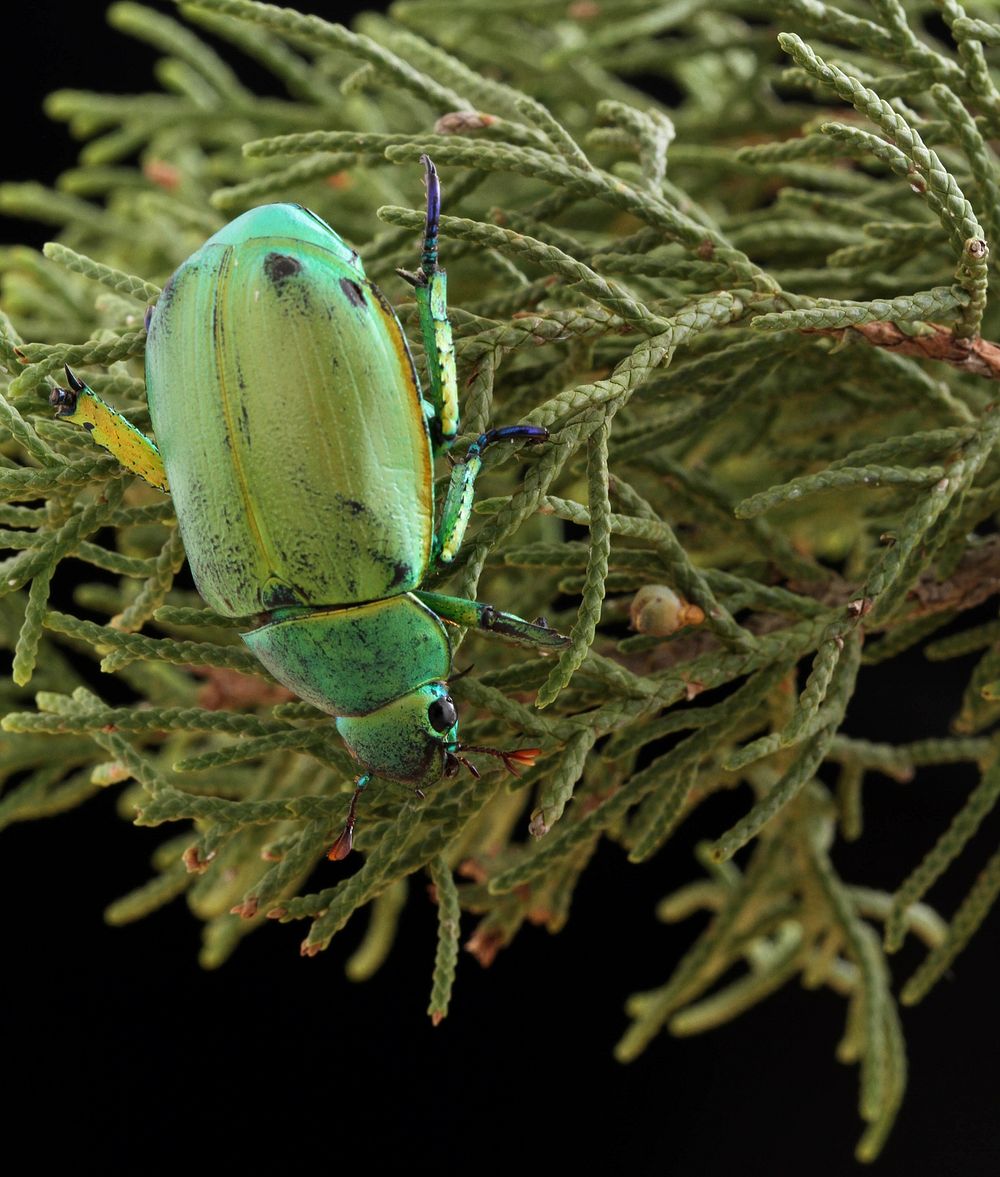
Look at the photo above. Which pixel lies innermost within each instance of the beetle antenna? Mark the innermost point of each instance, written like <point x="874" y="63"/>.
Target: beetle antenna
<point x="513" y="761"/>
<point x="345" y="841"/>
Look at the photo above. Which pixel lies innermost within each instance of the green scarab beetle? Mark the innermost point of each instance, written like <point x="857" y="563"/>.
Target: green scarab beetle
<point x="293" y="435"/>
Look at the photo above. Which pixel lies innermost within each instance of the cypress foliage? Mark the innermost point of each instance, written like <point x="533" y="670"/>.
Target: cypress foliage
<point x="757" y="325"/>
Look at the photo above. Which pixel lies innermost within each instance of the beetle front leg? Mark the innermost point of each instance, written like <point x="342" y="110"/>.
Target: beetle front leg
<point x="109" y="429"/>
<point x="457" y="509"/>
<point x="430" y="285"/>
<point x="486" y="619"/>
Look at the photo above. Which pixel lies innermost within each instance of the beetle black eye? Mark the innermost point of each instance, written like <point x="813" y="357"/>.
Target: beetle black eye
<point x="441" y="714"/>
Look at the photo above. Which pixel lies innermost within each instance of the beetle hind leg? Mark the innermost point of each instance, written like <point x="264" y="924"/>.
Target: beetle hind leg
<point x="81" y="405"/>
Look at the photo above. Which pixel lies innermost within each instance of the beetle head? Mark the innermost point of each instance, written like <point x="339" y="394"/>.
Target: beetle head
<point x="410" y="739"/>
<point x="413" y="739"/>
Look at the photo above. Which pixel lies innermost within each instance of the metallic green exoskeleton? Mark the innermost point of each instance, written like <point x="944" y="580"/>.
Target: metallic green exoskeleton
<point x="293" y="435"/>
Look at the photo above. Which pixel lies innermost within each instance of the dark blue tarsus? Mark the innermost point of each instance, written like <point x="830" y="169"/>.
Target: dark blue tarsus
<point x="432" y="220"/>
<point x="526" y="433"/>
<point x="429" y="253"/>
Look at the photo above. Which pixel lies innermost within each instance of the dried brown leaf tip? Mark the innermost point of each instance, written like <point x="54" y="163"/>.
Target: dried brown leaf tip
<point x="230" y="690"/>
<point x="464" y="122"/>
<point x="194" y="861"/>
<point x="484" y="944"/>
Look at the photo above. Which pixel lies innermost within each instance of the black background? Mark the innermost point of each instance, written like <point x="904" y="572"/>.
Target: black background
<point x="120" y="1051"/>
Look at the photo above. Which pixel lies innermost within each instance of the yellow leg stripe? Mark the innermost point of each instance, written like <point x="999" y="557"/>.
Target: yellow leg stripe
<point x="449" y="385"/>
<point x="119" y="437"/>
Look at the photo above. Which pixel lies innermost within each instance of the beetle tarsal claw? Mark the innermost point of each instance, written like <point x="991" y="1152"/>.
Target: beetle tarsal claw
<point x="75" y="383"/>
<point x="418" y="279"/>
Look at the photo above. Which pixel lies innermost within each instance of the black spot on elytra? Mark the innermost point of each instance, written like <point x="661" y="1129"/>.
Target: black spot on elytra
<point x="353" y="292"/>
<point x="277" y="595"/>
<point x="167" y="293"/>
<point x="356" y="508"/>
<point x="279" y="266"/>
<point x="401" y="572"/>
<point x="89" y="426"/>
